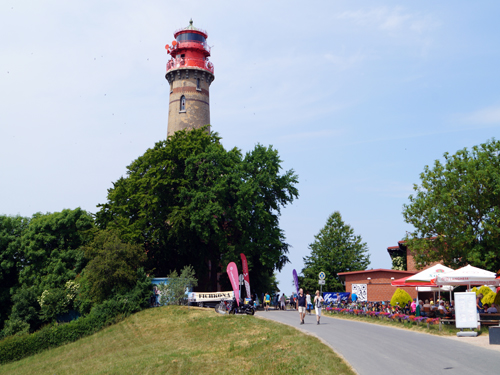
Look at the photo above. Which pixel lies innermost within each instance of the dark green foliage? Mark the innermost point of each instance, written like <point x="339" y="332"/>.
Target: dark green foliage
<point x="190" y="201"/>
<point x="51" y="248"/>
<point x="112" y="267"/>
<point x="11" y="230"/>
<point x="48" y="255"/>
<point x="109" y="312"/>
<point x="335" y="249"/>
<point x="456" y="210"/>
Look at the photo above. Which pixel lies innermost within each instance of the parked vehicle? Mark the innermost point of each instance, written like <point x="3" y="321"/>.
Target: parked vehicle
<point x="231" y="307"/>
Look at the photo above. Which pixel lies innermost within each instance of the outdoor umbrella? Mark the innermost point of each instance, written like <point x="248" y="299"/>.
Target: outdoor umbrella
<point x="467" y="275"/>
<point x="424" y="277"/>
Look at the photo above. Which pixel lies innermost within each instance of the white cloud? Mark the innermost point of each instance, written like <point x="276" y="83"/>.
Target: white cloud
<point x="395" y="19"/>
<point x="485" y="116"/>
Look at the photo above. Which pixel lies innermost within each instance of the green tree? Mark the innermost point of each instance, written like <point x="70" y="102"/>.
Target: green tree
<point x="174" y="292"/>
<point x="190" y="201"/>
<point x="335" y="249"/>
<point x="456" y="210"/>
<point x="50" y="255"/>
<point x="112" y="267"/>
<point x="11" y="231"/>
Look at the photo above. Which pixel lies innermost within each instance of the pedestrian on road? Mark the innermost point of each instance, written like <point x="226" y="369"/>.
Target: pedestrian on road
<point x="301" y="305"/>
<point x="318" y="300"/>
<point x="267" y="300"/>
<point x="283" y="301"/>
<point x="308" y="302"/>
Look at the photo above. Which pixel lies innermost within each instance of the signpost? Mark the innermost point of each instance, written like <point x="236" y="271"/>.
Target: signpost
<point x="321" y="281"/>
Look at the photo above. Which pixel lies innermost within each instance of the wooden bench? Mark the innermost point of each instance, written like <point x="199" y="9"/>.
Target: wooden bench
<point x="489" y="319"/>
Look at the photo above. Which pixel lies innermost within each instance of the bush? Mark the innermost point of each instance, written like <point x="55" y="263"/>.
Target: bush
<point x="109" y="312"/>
<point x="400" y="297"/>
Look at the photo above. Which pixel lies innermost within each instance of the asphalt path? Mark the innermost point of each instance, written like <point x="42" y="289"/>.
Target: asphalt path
<point x="376" y="349"/>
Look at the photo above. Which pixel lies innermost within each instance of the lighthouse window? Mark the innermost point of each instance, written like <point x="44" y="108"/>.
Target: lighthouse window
<point x="198" y="87"/>
<point x="183" y="103"/>
<point x="184" y="37"/>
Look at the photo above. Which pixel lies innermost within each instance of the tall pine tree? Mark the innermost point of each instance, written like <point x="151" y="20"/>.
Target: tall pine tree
<point x="335" y="249"/>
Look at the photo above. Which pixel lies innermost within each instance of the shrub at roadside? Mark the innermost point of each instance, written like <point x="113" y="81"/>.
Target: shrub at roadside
<point x="400" y="297"/>
<point x="109" y="312"/>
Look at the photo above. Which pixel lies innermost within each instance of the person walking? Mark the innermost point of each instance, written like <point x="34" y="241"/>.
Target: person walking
<point x="318" y="300"/>
<point x="301" y="305"/>
<point x="267" y="300"/>
<point x="282" y="301"/>
<point x="309" y="303"/>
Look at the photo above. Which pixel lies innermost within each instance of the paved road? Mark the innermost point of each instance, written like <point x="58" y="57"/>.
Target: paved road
<point x="375" y="349"/>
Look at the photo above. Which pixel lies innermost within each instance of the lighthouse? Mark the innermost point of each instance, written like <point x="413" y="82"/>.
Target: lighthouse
<point x="189" y="74"/>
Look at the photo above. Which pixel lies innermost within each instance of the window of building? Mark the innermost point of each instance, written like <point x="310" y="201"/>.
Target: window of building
<point x="198" y="86"/>
<point x="183" y="103"/>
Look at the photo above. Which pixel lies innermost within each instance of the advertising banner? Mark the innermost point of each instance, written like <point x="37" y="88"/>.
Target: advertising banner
<point x="245" y="274"/>
<point x="335" y="297"/>
<point x="232" y="272"/>
<point x="296" y="280"/>
<point x="210" y="296"/>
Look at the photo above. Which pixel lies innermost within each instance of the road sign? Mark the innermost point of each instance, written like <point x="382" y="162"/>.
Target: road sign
<point x="322" y="275"/>
<point x="241" y="279"/>
<point x="321" y="282"/>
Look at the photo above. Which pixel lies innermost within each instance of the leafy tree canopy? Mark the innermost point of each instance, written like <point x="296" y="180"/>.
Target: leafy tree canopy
<point x="456" y="210"/>
<point x="11" y="230"/>
<point x="335" y="249"/>
<point x="189" y="202"/>
<point x="112" y="267"/>
<point x="48" y="255"/>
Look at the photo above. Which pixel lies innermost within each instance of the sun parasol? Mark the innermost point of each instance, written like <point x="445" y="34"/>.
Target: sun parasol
<point x="467" y="275"/>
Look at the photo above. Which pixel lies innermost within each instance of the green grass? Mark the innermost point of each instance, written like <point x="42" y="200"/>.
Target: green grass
<point x="446" y="329"/>
<point x="178" y="340"/>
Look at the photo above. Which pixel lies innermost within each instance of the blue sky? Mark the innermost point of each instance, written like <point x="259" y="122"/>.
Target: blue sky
<point x="357" y="97"/>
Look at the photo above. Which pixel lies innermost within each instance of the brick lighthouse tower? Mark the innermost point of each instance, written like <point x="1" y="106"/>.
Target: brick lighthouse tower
<point x="189" y="74"/>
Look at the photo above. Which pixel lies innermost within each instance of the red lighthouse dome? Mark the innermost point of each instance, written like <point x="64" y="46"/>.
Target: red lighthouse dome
<point x="190" y="49"/>
<point x="189" y="74"/>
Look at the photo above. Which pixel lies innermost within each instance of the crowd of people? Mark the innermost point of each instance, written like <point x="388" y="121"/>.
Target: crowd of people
<point x="427" y="308"/>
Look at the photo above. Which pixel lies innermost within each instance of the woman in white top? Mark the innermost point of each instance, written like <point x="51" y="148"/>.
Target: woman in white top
<point x="318" y="300"/>
<point x="308" y="303"/>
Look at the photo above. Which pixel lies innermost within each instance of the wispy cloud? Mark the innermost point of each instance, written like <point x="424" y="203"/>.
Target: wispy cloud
<point x="395" y="19"/>
<point x="485" y="116"/>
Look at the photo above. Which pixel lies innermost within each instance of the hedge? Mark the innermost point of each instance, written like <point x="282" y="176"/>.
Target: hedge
<point x="14" y="348"/>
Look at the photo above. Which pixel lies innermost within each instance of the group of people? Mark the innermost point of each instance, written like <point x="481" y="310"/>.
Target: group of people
<point x="304" y="304"/>
<point x="485" y="308"/>
<point x="279" y="302"/>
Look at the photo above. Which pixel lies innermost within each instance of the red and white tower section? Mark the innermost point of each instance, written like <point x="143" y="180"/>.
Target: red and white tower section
<point x="189" y="74"/>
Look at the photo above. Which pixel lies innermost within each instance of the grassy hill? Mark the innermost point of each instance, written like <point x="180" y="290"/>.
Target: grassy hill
<point x="178" y="340"/>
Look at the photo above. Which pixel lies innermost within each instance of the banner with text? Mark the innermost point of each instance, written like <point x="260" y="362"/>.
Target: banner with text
<point x="232" y="272"/>
<point x="335" y="297"/>
<point x="210" y="296"/>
